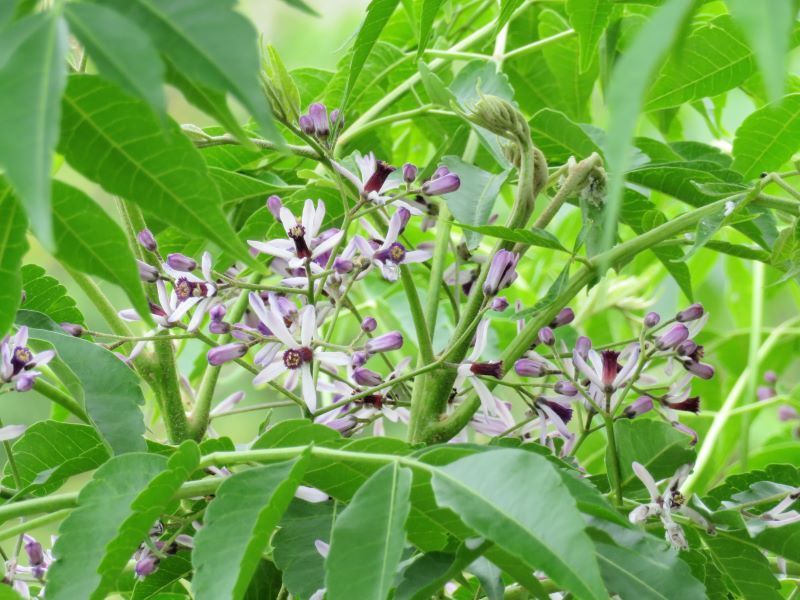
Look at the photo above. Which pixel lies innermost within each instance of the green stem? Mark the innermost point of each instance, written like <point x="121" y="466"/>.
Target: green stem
<point x="101" y="302"/>
<point x="168" y="391"/>
<point x="32" y="524"/>
<point x="756" y="322"/>
<point x="51" y="392"/>
<point x="612" y="459"/>
<point x="421" y="327"/>
<point x="443" y="227"/>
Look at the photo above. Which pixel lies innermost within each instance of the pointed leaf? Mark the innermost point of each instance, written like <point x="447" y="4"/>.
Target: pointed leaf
<point x="589" y="19"/>
<point x="32" y="75"/>
<point x="114" y="515"/>
<point x="532" y="236"/>
<point x="368" y="537"/>
<point x="46" y="295"/>
<point x="744" y="568"/>
<point x="520" y="516"/>
<point x="122" y="52"/>
<point x="13" y="246"/>
<point x="559" y="137"/>
<point x="90" y="241"/>
<point x="159" y="170"/>
<point x="427" y="16"/>
<point x="237" y="526"/>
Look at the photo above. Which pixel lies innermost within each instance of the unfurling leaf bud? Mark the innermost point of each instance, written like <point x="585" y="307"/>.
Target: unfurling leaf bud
<point x="500" y="117"/>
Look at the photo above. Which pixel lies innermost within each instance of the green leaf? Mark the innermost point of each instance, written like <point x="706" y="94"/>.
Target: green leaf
<point x="110" y="388"/>
<point x="532" y="236"/>
<point x="13" y="247"/>
<point x="295" y="432"/>
<point x="32" y="72"/>
<point x="237" y="526"/>
<point x="661" y="448"/>
<point x="430" y="9"/>
<point x="507" y="10"/>
<point x="378" y="13"/>
<point x="210" y="42"/>
<point x="744" y="568"/>
<point x="295" y="553"/>
<point x="46" y="295"/>
<point x="434" y="86"/>
<point x="90" y="241"/>
<point x="275" y="70"/>
<point x="768" y="28"/>
<point x="368" y="537"/>
<point x="50" y="452"/>
<point x="575" y="83"/>
<point x="159" y="170"/>
<point x="115" y="512"/>
<point x="640" y="566"/>
<point x="632" y="73"/>
<point x="122" y="52"/>
<point x="472" y="203"/>
<point x="589" y="18"/>
<point x="713" y="59"/>
<point x="768" y="137"/>
<point x="559" y="137"/>
<point x="517" y="514"/>
<point x="266" y="582"/>
<point x="302" y="6"/>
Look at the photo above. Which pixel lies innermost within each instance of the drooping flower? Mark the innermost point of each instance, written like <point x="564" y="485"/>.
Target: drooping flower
<point x="604" y="370"/>
<point x="18" y="361"/>
<point x="298" y="355"/>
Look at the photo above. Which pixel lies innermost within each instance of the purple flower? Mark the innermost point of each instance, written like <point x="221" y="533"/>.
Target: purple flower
<point x="72" y="329"/>
<point x="391" y="253"/>
<point x="374" y="180"/>
<point x="764" y="392"/>
<point x="787" y="412"/>
<point x="441" y="185"/>
<point x="319" y="116"/>
<point x="147" y="240"/>
<point x="17" y="361"/>
<point x="226" y="353"/>
<point x="34" y="550"/>
<point x="147" y="272"/>
<point x="527" y="367"/>
<point x="676" y="335"/>
<point x="638" y="407"/>
<point x="692" y="313"/>
<point x="337" y="118"/>
<point x="565" y="388"/>
<point x="701" y="370"/>
<point x="274" y="206"/>
<point x="690" y="404"/>
<point x="385" y="343"/>
<point x="409" y="173"/>
<point x="306" y="124"/>
<point x="298" y="355"/>
<point x="499" y="304"/>
<point x="302" y="244"/>
<point x="189" y="291"/>
<point x="502" y="272"/>
<point x="546" y="336"/>
<point x="367" y="377"/>
<point x="651" y="319"/>
<point x="147" y="565"/>
<point x="181" y="262"/>
<point x="369" y="324"/>
<point x="605" y="371"/>
<point x="564" y="317"/>
<point x="582" y="346"/>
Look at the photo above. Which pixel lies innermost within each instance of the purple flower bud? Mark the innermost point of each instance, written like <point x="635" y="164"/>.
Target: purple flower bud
<point x="147" y="272"/>
<point x="565" y="388"/>
<point x="765" y="393"/>
<point x="440" y="172"/>
<point x="369" y="324"/>
<point x="787" y="412"/>
<point x="319" y="115"/>
<point x="564" y="317"/>
<point x="337" y="118"/>
<point x="385" y="343"/>
<point x="146" y="566"/>
<point x="692" y="313"/>
<point x="217" y="312"/>
<point x="686" y="348"/>
<point x="181" y="262"/>
<point x="691" y="404"/>
<point x="34" y="550"/>
<point x="368" y="377"/>
<point x="72" y="329"/>
<point x="409" y="173"/>
<point x="342" y="265"/>
<point x="564" y="412"/>
<point x="677" y="334"/>
<point x="359" y="359"/>
<point x="490" y="369"/>
<point x="651" y="319"/>
<point x="502" y="272"/>
<point x="274" y="206"/>
<point x="701" y="370"/>
<point x="227" y="352"/>
<point x="638" y="407"/>
<point x="219" y="327"/>
<point x="546" y="336"/>
<point x="526" y="367"/>
<point x="405" y="216"/>
<point x="499" y="303"/>
<point x="25" y="381"/>
<point x="611" y="368"/>
<point x="687" y="430"/>
<point x="582" y="346"/>
<point x="306" y="124"/>
<point x="442" y="185"/>
<point x="147" y="240"/>
<point x="771" y="377"/>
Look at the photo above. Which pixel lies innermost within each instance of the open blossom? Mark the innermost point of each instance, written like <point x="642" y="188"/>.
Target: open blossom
<point x="374" y="181"/>
<point x="603" y="369"/>
<point x="390" y="254"/>
<point x="298" y="354"/>
<point x="18" y="361"/>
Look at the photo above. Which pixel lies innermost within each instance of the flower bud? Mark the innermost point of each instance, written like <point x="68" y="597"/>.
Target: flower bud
<point x="219" y="327"/>
<point x="342" y="265"/>
<point x="306" y="124"/>
<point x="490" y="369"/>
<point x="369" y="324"/>
<point x="442" y="185"/>
<point x="440" y="172"/>
<point x="225" y="353"/>
<point x="385" y="343"/>
<point x="676" y="335"/>
<point x="146" y="566"/>
<point x="546" y="336"/>
<point x="409" y="173"/>
<point x="686" y="348"/>
<point x="771" y="377"/>
<point x="499" y="303"/>
<point x="34" y="550"/>
<point x="565" y="388"/>
<point x="72" y="329"/>
<point x="701" y="370"/>
<point x="147" y="240"/>
<point x="405" y="217"/>
<point x="692" y="313"/>
<point x="147" y="272"/>
<point x="788" y="412"/>
<point x="651" y="319"/>
<point x="181" y="262"/>
<point x="526" y="367"/>
<point x="319" y="115"/>
<point x="582" y="346"/>
<point x="359" y="359"/>
<point x="274" y="206"/>
<point x="25" y="381"/>
<point x="638" y="407"/>
<point x="217" y="312"/>
<point x="337" y="118"/>
<point x="502" y="272"/>
<point x="765" y="393"/>
<point x="564" y="317"/>
<point x="368" y="377"/>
